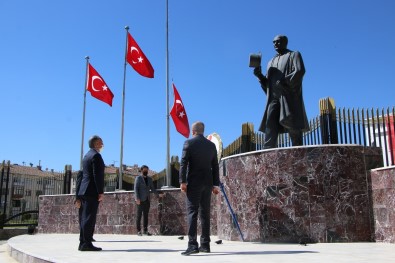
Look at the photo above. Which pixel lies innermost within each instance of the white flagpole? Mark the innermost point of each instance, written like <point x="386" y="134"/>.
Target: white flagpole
<point x="123" y="114"/>
<point x="168" y="173"/>
<point x="83" y="112"/>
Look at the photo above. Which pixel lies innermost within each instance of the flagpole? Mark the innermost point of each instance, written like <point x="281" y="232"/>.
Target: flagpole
<point x="168" y="175"/>
<point x="83" y="113"/>
<point x="123" y="113"/>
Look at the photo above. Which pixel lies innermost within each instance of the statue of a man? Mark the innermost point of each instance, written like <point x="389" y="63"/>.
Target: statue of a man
<point x="285" y="111"/>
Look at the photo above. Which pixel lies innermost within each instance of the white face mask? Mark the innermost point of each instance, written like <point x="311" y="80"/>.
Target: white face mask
<point x="101" y="149"/>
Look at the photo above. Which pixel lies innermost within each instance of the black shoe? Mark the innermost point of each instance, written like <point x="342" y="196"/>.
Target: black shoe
<point x="147" y="234"/>
<point x="204" y="249"/>
<point x="93" y="240"/>
<point x="190" y="251"/>
<point x="90" y="248"/>
<point x="139" y="233"/>
<point x="80" y="245"/>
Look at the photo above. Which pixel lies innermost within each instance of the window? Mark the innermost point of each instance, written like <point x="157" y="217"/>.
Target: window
<point x="18" y="190"/>
<point x="16" y="203"/>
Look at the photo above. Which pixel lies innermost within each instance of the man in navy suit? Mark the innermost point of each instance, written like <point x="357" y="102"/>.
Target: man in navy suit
<point x="199" y="177"/>
<point x="91" y="191"/>
<point x="142" y="187"/>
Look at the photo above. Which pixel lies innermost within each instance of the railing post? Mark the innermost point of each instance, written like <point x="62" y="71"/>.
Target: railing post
<point x="328" y="121"/>
<point x="67" y="180"/>
<point x="174" y="171"/>
<point x="6" y="192"/>
<point x="2" y="216"/>
<point x="247" y="137"/>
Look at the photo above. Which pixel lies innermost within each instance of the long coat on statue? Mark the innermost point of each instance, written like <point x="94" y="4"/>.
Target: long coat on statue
<point x="289" y="69"/>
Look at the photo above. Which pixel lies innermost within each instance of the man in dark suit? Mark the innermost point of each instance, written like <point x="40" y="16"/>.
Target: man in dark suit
<point x="199" y="177"/>
<point x="142" y="187"/>
<point x="78" y="204"/>
<point x="91" y="191"/>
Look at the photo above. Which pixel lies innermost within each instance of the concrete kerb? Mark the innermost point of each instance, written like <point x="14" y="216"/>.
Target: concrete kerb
<point x="62" y="248"/>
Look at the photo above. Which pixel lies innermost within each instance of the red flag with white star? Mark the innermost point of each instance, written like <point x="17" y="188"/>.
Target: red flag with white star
<point x="179" y="115"/>
<point x="136" y="58"/>
<point x="98" y="87"/>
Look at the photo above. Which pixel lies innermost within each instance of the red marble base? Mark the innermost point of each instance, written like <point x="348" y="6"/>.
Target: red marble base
<point x="312" y="194"/>
<point x="383" y="192"/>
<point x="117" y="214"/>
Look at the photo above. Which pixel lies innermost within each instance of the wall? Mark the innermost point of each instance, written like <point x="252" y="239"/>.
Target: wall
<point x="383" y="192"/>
<point x="312" y="194"/>
<point x="117" y="214"/>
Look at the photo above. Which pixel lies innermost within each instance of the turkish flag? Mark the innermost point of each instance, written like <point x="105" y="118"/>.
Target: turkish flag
<point x="98" y="87"/>
<point x="179" y="115"/>
<point x="136" y="58"/>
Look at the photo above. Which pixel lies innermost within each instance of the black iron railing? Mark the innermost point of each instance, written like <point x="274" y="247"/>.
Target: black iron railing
<point x="26" y="218"/>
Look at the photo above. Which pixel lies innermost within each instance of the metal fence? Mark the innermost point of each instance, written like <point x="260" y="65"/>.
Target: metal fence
<point x="19" y="194"/>
<point x="21" y="186"/>
<point x="367" y="127"/>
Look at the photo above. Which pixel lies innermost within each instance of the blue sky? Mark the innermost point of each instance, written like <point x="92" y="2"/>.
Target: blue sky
<point x="348" y="47"/>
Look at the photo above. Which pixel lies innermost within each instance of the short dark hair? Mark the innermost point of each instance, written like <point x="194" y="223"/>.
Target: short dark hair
<point x="198" y="127"/>
<point x="92" y="141"/>
<point x="144" y="166"/>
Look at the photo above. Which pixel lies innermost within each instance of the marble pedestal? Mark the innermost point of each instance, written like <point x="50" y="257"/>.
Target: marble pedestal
<point x="117" y="214"/>
<point x="308" y="194"/>
<point x="383" y="192"/>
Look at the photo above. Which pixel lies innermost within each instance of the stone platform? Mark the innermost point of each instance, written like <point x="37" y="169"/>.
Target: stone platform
<point x="312" y="194"/>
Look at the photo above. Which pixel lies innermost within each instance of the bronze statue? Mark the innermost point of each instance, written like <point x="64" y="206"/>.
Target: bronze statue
<point x="285" y="111"/>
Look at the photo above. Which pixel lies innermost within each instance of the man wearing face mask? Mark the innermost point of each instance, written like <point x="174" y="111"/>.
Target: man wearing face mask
<point x="142" y="186"/>
<point x="91" y="192"/>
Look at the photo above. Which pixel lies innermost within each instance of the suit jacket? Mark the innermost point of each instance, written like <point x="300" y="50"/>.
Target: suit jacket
<point x="289" y="69"/>
<point x="142" y="190"/>
<point x="92" y="183"/>
<point x="199" y="162"/>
